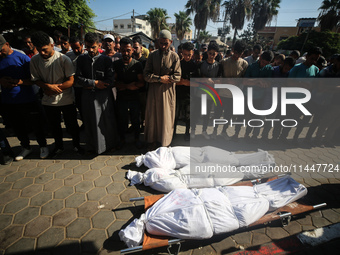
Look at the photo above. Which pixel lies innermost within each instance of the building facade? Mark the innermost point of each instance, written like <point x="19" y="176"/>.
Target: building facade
<point x="136" y="24"/>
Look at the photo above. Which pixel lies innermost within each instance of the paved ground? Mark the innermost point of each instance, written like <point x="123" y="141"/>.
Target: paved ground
<point x="73" y="205"/>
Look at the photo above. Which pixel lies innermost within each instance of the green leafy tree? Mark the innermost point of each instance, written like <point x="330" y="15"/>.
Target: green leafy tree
<point x="182" y="25"/>
<point x="237" y="11"/>
<point x="157" y="18"/>
<point x="44" y="14"/>
<point x="204" y="10"/>
<point x="204" y="36"/>
<point x="328" y="41"/>
<point x="263" y="12"/>
<point x="329" y="16"/>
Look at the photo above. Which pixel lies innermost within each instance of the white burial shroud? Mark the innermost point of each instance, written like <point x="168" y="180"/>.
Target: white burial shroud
<point x="202" y="213"/>
<point x="162" y="163"/>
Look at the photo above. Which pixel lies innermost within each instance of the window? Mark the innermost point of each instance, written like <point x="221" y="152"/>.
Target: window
<point x="147" y="32"/>
<point x="116" y="26"/>
<point x="129" y="25"/>
<point x="143" y="27"/>
<point x="121" y="26"/>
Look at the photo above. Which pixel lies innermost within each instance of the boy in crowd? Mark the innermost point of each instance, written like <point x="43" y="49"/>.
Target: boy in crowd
<point x="53" y="72"/>
<point x="189" y="70"/>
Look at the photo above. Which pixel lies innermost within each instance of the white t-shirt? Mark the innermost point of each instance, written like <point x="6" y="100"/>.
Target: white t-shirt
<point x="250" y="60"/>
<point x="53" y="70"/>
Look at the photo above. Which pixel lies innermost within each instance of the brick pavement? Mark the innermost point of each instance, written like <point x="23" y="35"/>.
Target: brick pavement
<point x="77" y="206"/>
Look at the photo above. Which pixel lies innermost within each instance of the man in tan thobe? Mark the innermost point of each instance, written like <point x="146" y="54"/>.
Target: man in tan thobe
<point x="162" y="71"/>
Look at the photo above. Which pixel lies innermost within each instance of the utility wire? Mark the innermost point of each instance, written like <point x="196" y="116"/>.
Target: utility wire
<point x="112" y="17"/>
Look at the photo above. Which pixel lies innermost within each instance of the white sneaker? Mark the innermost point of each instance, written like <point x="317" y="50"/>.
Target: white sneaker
<point x="205" y="135"/>
<point x="23" y="154"/>
<point x="225" y="136"/>
<point x="44" y="152"/>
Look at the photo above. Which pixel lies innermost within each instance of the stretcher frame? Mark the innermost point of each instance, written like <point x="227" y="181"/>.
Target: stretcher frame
<point x="284" y="214"/>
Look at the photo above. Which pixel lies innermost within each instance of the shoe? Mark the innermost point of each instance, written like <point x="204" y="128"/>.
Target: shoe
<point x="205" y="135"/>
<point x="44" y="152"/>
<point x="187" y="137"/>
<point x="225" y="136"/>
<point x="23" y="154"/>
<point x="56" y="152"/>
<point x="7" y="159"/>
<point x="79" y="150"/>
<point x="213" y="136"/>
<point x="192" y="135"/>
<point x="329" y="144"/>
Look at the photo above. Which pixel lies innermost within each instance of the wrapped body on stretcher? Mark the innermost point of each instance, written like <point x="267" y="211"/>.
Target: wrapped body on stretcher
<point x="202" y="213"/>
<point x="162" y="163"/>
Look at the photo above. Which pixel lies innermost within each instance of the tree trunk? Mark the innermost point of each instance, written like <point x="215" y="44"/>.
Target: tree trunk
<point x="234" y="39"/>
<point x="198" y="34"/>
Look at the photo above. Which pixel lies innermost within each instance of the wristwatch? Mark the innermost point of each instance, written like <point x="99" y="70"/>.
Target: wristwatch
<point x="159" y="79"/>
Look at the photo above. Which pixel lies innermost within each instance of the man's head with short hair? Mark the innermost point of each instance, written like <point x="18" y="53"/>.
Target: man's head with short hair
<point x="212" y="51"/>
<point x="287" y="64"/>
<point x="42" y="41"/>
<point x="65" y="43"/>
<point x="198" y="56"/>
<point x="187" y="51"/>
<point x="257" y="50"/>
<point x="57" y="35"/>
<point x="278" y="59"/>
<point x="28" y="43"/>
<point x="312" y="56"/>
<point x="126" y="49"/>
<point x="137" y="46"/>
<point x="265" y="58"/>
<point x="92" y="44"/>
<point x="238" y="49"/>
<point x="295" y="54"/>
<point x="76" y="45"/>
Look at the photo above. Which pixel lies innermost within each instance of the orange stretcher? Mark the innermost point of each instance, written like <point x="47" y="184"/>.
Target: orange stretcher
<point x="284" y="214"/>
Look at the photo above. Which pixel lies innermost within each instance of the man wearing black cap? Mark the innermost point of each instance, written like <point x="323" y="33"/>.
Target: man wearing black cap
<point x="162" y="71"/>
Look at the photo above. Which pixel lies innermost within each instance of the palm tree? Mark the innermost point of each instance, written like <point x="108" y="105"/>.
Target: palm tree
<point x="157" y="18"/>
<point x="204" y="10"/>
<point x="182" y="25"/>
<point x="204" y="36"/>
<point x="329" y="16"/>
<point x="263" y="12"/>
<point x="237" y="11"/>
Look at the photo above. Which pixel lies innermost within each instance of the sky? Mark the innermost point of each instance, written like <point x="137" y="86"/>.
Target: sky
<point x="289" y="12"/>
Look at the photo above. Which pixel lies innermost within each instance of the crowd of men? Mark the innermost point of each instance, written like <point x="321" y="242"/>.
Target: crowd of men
<point x="112" y="82"/>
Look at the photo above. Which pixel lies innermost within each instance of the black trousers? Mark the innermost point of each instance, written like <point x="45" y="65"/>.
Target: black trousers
<point x="69" y="112"/>
<point x="24" y="118"/>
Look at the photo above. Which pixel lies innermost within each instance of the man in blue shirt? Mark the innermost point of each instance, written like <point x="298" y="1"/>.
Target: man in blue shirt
<point x="19" y="100"/>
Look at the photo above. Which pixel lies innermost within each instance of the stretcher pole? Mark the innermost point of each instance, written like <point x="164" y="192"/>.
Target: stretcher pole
<point x="140" y="247"/>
